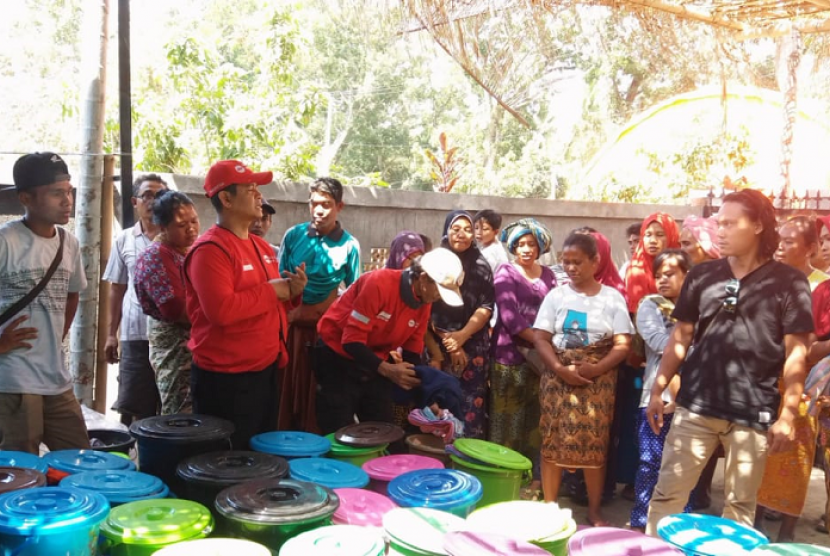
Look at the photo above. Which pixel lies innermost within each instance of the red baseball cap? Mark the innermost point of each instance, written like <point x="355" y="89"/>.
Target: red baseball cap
<point x="225" y="173"/>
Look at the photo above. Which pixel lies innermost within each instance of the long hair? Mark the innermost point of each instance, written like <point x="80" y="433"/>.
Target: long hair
<point x="759" y="209"/>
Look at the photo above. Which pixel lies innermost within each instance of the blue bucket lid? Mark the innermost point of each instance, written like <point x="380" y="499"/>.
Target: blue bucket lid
<point x="119" y="487"/>
<point x="77" y="461"/>
<point x="708" y="535"/>
<point x="10" y="458"/>
<point x="435" y="488"/>
<point x="291" y="444"/>
<point x="44" y="511"/>
<point x="328" y="472"/>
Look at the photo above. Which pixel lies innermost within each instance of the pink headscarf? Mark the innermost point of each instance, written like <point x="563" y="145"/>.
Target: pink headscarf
<point x="705" y="231"/>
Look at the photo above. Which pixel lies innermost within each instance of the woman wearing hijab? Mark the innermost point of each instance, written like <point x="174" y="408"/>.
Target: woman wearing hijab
<point x="405" y="248"/>
<point x="699" y="238"/>
<point x="607" y="272"/>
<point x="520" y="286"/>
<point x="463" y="332"/>
<point x="658" y="233"/>
<point x="822" y="259"/>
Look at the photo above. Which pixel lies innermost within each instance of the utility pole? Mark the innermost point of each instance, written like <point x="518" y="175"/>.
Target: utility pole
<point x="82" y="344"/>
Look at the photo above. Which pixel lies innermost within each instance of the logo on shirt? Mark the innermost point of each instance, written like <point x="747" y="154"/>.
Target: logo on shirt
<point x="361" y="318"/>
<point x="268" y="259"/>
<point x="412" y="323"/>
<point x="247" y="267"/>
<point x="383" y="315"/>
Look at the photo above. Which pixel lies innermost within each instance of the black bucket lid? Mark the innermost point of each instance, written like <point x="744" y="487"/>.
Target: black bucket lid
<point x="369" y="433"/>
<point x="18" y="478"/>
<point x="277" y="501"/>
<point x="182" y="427"/>
<point x="231" y="467"/>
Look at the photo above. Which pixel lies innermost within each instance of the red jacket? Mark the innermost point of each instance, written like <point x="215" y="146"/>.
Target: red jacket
<point x="373" y="312"/>
<point x="238" y="323"/>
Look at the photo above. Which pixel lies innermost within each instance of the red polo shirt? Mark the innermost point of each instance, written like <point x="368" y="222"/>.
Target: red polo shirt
<point x="238" y="323"/>
<point x="380" y="311"/>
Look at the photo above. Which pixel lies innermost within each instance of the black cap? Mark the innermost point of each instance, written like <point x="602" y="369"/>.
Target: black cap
<point x="36" y="169"/>
<point x="268" y="208"/>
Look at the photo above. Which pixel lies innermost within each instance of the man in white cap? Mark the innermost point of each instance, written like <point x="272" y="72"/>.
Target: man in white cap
<point x="384" y="310"/>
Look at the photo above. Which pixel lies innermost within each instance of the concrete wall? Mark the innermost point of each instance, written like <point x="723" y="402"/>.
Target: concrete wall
<point x="375" y="215"/>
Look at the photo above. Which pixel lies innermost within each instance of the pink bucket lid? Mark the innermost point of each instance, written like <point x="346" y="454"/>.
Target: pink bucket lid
<point x="387" y="468"/>
<point x="361" y="507"/>
<point x="611" y="541"/>
<point x="468" y="543"/>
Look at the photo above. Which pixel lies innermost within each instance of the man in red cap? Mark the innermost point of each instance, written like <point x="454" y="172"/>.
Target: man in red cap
<point x="236" y="301"/>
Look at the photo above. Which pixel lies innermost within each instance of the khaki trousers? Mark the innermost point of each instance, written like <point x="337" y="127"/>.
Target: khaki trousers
<point x="691" y="441"/>
<point x="26" y="420"/>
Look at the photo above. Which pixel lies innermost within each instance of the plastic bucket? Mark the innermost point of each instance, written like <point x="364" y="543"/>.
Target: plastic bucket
<point x="419" y="531"/>
<point x="141" y="528"/>
<point x="119" y="487"/>
<point x="428" y="445"/>
<point x="164" y="441"/>
<point x="544" y="524"/>
<point x="706" y="535"/>
<point x="353" y="454"/>
<point x="291" y="444"/>
<point x="19" y="478"/>
<point x="206" y="475"/>
<point x="498" y="484"/>
<point x="108" y="440"/>
<point x="330" y="473"/>
<point x="11" y="458"/>
<point x="382" y="470"/>
<point x="336" y="540"/>
<point x="272" y="511"/>
<point x="215" y="547"/>
<point x="361" y="507"/>
<point x="617" y="542"/>
<point x="51" y="521"/>
<point x="449" y="490"/>
<point x="79" y="461"/>
<point x="466" y="543"/>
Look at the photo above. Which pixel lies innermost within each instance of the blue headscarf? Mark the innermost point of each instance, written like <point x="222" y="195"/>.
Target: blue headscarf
<point x="516" y="230"/>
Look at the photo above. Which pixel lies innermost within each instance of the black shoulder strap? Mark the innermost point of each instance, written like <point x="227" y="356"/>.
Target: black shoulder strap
<point x="9" y="313"/>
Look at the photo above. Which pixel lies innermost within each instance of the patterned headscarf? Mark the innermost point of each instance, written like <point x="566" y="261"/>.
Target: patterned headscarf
<point x="639" y="279"/>
<point x="705" y="232"/>
<point x="516" y="230"/>
<point x="405" y="244"/>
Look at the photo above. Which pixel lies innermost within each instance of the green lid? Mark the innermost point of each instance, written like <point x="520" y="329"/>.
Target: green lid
<point x="794" y="549"/>
<point x="336" y="540"/>
<point x="344" y="450"/>
<point x="157" y="522"/>
<point x="492" y="453"/>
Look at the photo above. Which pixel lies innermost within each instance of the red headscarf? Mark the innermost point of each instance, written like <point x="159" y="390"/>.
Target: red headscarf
<point x="639" y="279"/>
<point x="607" y="273"/>
<point x="822" y="221"/>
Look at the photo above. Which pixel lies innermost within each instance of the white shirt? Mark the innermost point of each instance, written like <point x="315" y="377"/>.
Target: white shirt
<point x="24" y="259"/>
<point x="129" y="244"/>
<point x="495" y="254"/>
<point x="577" y="320"/>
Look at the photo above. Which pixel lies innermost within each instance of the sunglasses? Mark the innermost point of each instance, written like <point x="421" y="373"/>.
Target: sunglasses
<point x="730" y="304"/>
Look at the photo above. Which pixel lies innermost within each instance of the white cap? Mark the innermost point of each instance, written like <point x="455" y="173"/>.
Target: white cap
<point x="444" y="267"/>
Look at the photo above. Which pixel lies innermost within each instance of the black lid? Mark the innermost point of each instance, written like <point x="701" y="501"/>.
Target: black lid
<point x="231" y="467"/>
<point x="369" y="433"/>
<point x="183" y="427"/>
<point x="18" y="478"/>
<point x="277" y="501"/>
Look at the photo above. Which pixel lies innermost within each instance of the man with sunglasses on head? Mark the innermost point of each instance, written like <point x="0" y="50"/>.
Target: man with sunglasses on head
<point x="749" y="319"/>
<point x="138" y="395"/>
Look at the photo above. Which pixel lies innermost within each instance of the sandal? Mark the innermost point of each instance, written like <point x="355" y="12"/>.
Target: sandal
<point x="598" y="523"/>
<point x="528" y="493"/>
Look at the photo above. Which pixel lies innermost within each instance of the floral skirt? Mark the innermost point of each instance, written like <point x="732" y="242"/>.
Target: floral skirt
<point x="171" y="362"/>
<point x="473" y="381"/>
<point x="576" y="420"/>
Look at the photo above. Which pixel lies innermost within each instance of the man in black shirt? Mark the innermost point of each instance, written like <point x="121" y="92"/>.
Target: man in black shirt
<point x="749" y="319"/>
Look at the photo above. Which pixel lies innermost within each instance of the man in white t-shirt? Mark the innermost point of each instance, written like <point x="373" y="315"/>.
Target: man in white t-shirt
<point x="138" y="395"/>
<point x="37" y="403"/>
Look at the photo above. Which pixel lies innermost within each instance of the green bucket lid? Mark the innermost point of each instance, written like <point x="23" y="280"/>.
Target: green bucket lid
<point x="492" y="453"/>
<point x="345" y="451"/>
<point x="157" y="522"/>
<point x="420" y="530"/>
<point x="336" y="540"/>
<point x="791" y="549"/>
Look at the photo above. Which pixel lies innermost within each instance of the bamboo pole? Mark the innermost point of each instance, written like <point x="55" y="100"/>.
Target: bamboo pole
<point x="99" y="403"/>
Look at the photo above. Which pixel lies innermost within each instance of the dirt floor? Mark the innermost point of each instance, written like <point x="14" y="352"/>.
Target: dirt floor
<point x="618" y="510"/>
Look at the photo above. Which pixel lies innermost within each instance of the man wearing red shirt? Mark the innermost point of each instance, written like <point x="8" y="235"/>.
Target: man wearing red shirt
<point x="382" y="311"/>
<point x="236" y="300"/>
